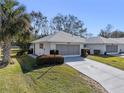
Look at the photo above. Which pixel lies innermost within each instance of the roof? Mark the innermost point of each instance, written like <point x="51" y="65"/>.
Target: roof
<point x="100" y="40"/>
<point x="61" y="37"/>
<point x="118" y="40"/>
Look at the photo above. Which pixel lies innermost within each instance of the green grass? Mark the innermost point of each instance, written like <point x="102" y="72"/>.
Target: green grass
<point x="114" y="61"/>
<point x="12" y="80"/>
<point x="54" y="79"/>
<point x="13" y="52"/>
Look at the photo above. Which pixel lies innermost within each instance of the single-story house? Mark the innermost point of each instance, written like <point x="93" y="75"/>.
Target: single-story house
<point x="69" y="44"/>
<point x="109" y="45"/>
<point x="66" y="43"/>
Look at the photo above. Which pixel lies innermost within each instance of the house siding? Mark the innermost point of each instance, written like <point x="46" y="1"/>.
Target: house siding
<point x="93" y="47"/>
<point x="51" y="46"/>
<point x="121" y="47"/>
<point x="45" y="50"/>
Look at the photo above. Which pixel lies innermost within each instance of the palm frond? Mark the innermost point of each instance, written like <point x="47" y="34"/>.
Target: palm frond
<point x="19" y="10"/>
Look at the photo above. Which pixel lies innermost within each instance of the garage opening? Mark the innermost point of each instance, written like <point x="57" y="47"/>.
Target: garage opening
<point x="111" y="48"/>
<point x="68" y="49"/>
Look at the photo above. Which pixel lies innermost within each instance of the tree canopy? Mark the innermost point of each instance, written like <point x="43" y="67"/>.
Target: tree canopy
<point x="39" y="24"/>
<point x="13" y="20"/>
<point x="109" y="32"/>
<point x="69" y="24"/>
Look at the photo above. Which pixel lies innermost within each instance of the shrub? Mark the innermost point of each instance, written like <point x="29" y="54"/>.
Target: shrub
<point x="54" y="52"/>
<point x="84" y="53"/>
<point x="30" y="51"/>
<point x="49" y="60"/>
<point x="88" y="51"/>
<point x="105" y="53"/>
<point x="22" y="52"/>
<point x="96" y="52"/>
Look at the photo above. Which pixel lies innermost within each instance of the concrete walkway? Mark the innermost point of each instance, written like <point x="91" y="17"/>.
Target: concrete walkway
<point x="110" y="78"/>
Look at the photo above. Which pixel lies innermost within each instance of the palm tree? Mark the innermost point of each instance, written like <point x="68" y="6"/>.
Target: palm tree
<point x="13" y="20"/>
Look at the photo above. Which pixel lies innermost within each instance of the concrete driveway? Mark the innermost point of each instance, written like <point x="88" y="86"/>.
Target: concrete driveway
<point x="110" y="78"/>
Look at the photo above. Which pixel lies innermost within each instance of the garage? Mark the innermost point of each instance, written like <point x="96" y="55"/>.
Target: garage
<point x="68" y="49"/>
<point x="111" y="48"/>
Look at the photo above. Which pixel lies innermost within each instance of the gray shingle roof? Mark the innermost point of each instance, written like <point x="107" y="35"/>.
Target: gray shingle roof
<point x="118" y="40"/>
<point x="100" y="40"/>
<point x="61" y="37"/>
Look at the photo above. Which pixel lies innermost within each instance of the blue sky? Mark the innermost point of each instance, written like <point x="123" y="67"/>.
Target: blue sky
<point x="96" y="14"/>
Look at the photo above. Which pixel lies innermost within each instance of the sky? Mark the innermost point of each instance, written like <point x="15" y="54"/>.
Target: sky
<point x="95" y="14"/>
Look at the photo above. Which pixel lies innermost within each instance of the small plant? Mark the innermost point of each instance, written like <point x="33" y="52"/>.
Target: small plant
<point x="84" y="53"/>
<point x="30" y="51"/>
<point x="105" y="53"/>
<point x="97" y="52"/>
<point x="20" y="53"/>
<point x="54" y="52"/>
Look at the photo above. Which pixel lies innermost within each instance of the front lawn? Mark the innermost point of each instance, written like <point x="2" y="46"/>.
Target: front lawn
<point x="114" y="61"/>
<point x="54" y="79"/>
<point x="12" y="80"/>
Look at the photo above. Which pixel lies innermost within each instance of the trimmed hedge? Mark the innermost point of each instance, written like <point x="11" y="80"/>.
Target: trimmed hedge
<point x="54" y="52"/>
<point x="97" y="52"/>
<point x="49" y="60"/>
<point x="84" y="52"/>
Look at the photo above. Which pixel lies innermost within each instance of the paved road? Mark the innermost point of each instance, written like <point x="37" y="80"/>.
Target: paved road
<point x="110" y="78"/>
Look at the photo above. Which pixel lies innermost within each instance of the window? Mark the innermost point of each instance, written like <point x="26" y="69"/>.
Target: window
<point x="41" y="46"/>
<point x="85" y="46"/>
<point x="111" y="48"/>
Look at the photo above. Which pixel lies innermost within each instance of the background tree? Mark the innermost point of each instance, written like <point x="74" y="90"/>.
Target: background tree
<point x="13" y="20"/>
<point x="39" y="24"/>
<point x="106" y="32"/>
<point x="23" y="40"/>
<point x="69" y="24"/>
<point x="117" y="34"/>
<point x="88" y="35"/>
<point x="109" y="32"/>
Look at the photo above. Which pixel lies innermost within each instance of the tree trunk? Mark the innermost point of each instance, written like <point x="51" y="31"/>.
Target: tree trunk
<point x="6" y="52"/>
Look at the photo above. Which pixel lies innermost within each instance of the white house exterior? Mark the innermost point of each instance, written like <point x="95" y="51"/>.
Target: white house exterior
<point x="109" y="45"/>
<point x="66" y="43"/>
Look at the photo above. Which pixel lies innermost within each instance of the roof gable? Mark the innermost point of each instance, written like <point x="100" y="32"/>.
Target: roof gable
<point x="61" y="37"/>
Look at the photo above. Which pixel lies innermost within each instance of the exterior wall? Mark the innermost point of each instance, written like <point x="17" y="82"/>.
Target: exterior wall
<point x="45" y="50"/>
<point x="37" y="50"/>
<point x="81" y="47"/>
<point x="93" y="47"/>
<point x="121" y="47"/>
<point x="51" y="46"/>
<point x="112" y="48"/>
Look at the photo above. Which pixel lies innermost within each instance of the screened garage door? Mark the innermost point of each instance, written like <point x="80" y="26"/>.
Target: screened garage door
<point x="111" y="48"/>
<point x="68" y="49"/>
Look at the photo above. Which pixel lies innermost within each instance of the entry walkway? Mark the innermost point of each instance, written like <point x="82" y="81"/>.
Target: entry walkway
<point x="110" y="78"/>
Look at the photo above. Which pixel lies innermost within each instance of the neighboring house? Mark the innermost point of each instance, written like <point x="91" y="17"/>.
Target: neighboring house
<point x="66" y="43"/>
<point x="109" y="45"/>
